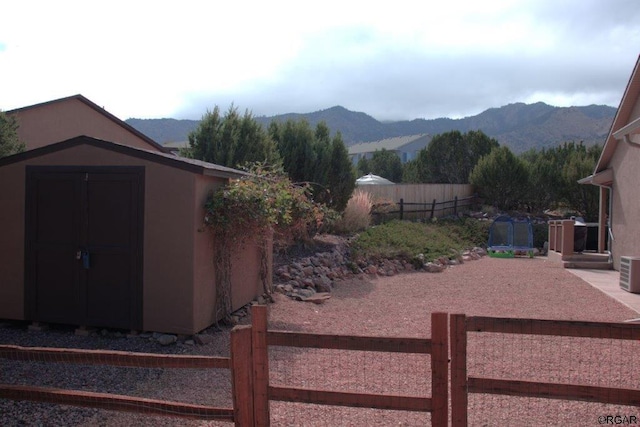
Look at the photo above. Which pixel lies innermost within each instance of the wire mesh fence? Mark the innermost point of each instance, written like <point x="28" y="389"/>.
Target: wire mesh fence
<point x="522" y="376"/>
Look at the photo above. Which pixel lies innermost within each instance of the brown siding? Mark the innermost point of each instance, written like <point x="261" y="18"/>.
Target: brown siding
<point x="245" y="268"/>
<point x="168" y="236"/>
<point x="12" y="247"/>
<point x="51" y="123"/>
<point x="204" y="296"/>
<point x="625" y="210"/>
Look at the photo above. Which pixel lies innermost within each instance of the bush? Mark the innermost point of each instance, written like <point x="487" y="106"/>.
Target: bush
<point x="405" y="240"/>
<point x="357" y="214"/>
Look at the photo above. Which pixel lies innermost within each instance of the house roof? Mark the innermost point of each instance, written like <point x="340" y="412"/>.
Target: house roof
<point x="621" y="120"/>
<point x="100" y="110"/>
<point x="388" y="144"/>
<point x="191" y="165"/>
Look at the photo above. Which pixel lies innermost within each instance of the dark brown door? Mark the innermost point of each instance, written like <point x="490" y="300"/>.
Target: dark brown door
<point x="84" y="246"/>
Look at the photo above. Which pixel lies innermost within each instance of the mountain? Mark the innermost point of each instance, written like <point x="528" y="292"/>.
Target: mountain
<point x="518" y="126"/>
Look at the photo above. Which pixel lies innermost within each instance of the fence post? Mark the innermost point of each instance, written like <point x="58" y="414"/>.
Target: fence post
<point x="433" y="208"/>
<point x="439" y="370"/>
<point x="242" y="376"/>
<point x="401" y="209"/>
<point x="459" y="396"/>
<point x="455" y="205"/>
<point x="567" y="238"/>
<point x="260" y="365"/>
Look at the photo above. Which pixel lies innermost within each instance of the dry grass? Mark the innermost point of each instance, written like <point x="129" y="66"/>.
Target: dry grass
<point x="357" y="214"/>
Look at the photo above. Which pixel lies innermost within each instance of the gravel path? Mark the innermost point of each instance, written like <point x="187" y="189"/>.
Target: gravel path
<point x="390" y="306"/>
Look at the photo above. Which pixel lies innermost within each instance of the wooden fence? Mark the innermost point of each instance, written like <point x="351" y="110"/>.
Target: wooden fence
<point x="462" y="384"/>
<point x="252" y="392"/>
<point x="239" y="363"/>
<point x="437" y="347"/>
<point x="418" y="193"/>
<point x="419" y="201"/>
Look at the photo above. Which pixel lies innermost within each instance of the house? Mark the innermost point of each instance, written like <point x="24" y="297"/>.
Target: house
<point x="66" y="118"/>
<point x="617" y="174"/>
<point x="406" y="147"/>
<point x="103" y="234"/>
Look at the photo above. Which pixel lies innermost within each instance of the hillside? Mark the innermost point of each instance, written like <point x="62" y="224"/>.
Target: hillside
<point x="518" y="126"/>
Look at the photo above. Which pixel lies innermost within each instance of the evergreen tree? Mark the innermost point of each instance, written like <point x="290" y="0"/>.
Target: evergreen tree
<point x="501" y="179"/>
<point x="9" y="141"/>
<point x="386" y="164"/>
<point x="231" y="140"/>
<point x="450" y="157"/>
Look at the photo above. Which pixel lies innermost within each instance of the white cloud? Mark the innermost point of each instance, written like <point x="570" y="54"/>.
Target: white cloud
<point x="402" y="60"/>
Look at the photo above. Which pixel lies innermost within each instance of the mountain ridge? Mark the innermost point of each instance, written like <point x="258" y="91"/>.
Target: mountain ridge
<point x="519" y="126"/>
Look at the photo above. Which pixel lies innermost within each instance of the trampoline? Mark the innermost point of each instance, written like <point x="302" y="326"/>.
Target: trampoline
<point x="509" y="237"/>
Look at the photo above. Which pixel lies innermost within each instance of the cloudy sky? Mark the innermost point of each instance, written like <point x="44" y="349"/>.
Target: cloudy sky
<point x="392" y="60"/>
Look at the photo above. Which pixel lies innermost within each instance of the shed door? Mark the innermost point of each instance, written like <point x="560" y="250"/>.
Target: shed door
<point x="84" y="234"/>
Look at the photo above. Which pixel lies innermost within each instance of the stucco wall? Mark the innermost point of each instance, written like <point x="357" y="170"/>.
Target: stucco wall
<point x="168" y="236"/>
<point x="245" y="264"/>
<point x="625" y="210"/>
<point x="59" y="121"/>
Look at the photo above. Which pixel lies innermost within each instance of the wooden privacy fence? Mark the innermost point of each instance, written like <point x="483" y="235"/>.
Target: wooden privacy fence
<point x="437" y="347"/>
<point x="239" y="363"/>
<point x="462" y="384"/>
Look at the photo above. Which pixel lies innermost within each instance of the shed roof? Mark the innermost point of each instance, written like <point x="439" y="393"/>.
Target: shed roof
<point x="391" y="144"/>
<point x="629" y="99"/>
<point x="191" y="165"/>
<point x="98" y="109"/>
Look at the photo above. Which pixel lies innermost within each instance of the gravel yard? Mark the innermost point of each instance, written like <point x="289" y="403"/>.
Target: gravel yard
<point x="391" y="306"/>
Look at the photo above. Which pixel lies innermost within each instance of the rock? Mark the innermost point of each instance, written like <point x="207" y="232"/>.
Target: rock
<point x="372" y="269"/>
<point x="432" y="267"/>
<point x="203" y="339"/>
<point x="307" y="271"/>
<point x="189" y="342"/>
<point x="480" y="251"/>
<point x="285" y="275"/>
<point x="318" y="298"/>
<point x="166" y="339"/>
<point x="322" y="284"/>
<point x="304" y="292"/>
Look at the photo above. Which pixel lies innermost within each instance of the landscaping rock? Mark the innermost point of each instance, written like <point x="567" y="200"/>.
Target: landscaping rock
<point x="166" y="339"/>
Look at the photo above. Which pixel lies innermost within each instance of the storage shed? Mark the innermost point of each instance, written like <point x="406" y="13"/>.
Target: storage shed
<point x="101" y="234"/>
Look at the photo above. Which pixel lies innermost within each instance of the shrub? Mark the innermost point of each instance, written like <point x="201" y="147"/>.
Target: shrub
<point x="406" y="240"/>
<point x="357" y="214"/>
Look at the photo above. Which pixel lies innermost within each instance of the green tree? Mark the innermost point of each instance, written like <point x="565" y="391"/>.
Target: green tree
<point x="501" y="179"/>
<point x="450" y="157"/>
<point x="583" y="198"/>
<point x="553" y="176"/>
<point x="386" y="164"/>
<point x="314" y="157"/>
<point x="231" y="140"/>
<point x="341" y="179"/>
<point x="295" y="143"/>
<point x="363" y="167"/>
<point x="410" y="172"/>
<point x="9" y="141"/>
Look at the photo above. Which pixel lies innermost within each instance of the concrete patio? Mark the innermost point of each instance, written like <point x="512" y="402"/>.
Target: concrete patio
<point x="608" y="281"/>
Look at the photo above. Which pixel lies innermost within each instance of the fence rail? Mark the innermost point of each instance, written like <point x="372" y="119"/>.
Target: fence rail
<point x="412" y="210"/>
<point x="125" y="359"/>
<point x="462" y="384"/>
<point x="437" y="347"/>
<point x="252" y="391"/>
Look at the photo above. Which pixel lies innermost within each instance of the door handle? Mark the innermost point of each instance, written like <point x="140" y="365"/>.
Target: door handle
<point x="85" y="260"/>
<point x="84" y="256"/>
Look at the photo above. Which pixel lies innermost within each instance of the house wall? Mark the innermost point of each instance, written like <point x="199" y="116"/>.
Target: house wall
<point x="59" y="121"/>
<point x="245" y="264"/>
<point x="168" y="273"/>
<point x="625" y="209"/>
